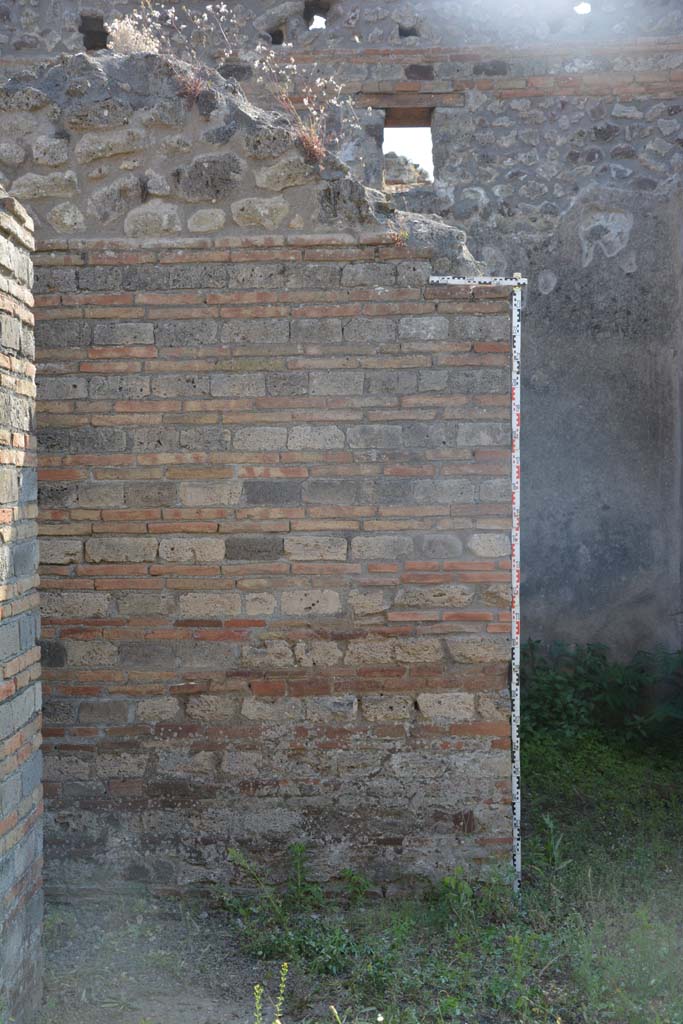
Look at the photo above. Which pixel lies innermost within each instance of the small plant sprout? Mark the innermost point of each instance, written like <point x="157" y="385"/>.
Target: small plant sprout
<point x="131" y="34"/>
<point x="259" y="992"/>
<point x="258" y="1004"/>
<point x="398" y="236"/>
<point x="553" y="846"/>
<point x="301" y="889"/>
<point x="356" y="884"/>
<point x="190" y="88"/>
<point x="280" y="1001"/>
<point x="178" y="30"/>
<point x="265" y="890"/>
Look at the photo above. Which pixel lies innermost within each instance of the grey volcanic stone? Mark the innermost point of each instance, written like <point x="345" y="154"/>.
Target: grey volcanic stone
<point x="243" y="547"/>
<point x="209" y="177"/>
<point x="272" y="492"/>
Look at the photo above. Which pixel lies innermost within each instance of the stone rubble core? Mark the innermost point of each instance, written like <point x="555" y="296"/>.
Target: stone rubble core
<point x="400" y="172"/>
<point x="20" y="758"/>
<point x="111" y="147"/>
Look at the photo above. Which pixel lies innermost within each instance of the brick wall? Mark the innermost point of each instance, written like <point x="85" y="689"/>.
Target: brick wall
<point x="275" y="489"/>
<point x="20" y="765"/>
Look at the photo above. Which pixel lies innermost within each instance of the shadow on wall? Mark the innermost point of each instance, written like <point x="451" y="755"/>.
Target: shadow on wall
<point x="601" y="447"/>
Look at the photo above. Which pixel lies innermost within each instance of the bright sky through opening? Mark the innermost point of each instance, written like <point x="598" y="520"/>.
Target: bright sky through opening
<point x="415" y="143"/>
<point x="583" y="8"/>
<point x="318" y="22"/>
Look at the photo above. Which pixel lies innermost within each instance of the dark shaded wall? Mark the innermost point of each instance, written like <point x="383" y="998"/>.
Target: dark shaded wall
<point x="20" y="758"/>
<point x="564" y="165"/>
<point x="601" y="444"/>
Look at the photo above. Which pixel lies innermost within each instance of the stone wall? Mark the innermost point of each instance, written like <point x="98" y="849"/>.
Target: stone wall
<point x="20" y="764"/>
<point x="588" y="209"/>
<point x="137" y="147"/>
<point x="275" y="490"/>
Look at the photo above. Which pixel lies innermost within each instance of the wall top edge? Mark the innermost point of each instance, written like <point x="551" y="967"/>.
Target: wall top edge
<point x="234" y="242"/>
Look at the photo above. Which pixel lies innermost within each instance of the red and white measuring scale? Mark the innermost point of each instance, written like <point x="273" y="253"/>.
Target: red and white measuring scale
<point x="516" y="284"/>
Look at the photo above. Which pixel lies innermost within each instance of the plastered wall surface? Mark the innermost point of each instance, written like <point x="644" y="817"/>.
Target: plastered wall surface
<point x="20" y="759"/>
<point x="589" y="210"/>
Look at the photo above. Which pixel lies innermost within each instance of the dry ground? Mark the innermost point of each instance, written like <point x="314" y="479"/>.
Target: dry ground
<point x="161" y="962"/>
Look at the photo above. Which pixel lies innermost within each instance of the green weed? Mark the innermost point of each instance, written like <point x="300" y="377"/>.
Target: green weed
<point x="574" y="691"/>
<point x="279" y="1003"/>
<point x="356" y="885"/>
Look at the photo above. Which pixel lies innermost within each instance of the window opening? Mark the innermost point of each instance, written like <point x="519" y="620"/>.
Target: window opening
<point x="277" y="36"/>
<point x="95" y="35"/>
<point x="405" y="31"/>
<point x="407" y="148"/>
<point x="315" y="13"/>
